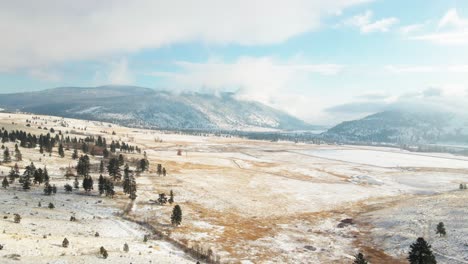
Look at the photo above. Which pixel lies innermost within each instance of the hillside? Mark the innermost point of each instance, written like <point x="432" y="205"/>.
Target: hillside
<point x="403" y="127"/>
<point x="144" y="107"/>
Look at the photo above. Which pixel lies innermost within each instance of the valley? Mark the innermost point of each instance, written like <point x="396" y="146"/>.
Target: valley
<point x="243" y="201"/>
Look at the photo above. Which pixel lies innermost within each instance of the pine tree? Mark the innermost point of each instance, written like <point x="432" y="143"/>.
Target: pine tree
<point x="101" y="184"/>
<point x="159" y="171"/>
<point x="121" y="160"/>
<point x="60" y="151"/>
<point x="101" y="167"/>
<point x="17" y="218"/>
<point x="88" y="183"/>
<point x="126" y="182"/>
<point x="68" y="188"/>
<point x="441" y="229"/>
<point x="13" y="175"/>
<point x="103" y="252"/>
<point x="75" y="154"/>
<point x="83" y="167"/>
<point x="45" y="175"/>
<point x="6" y="156"/>
<point x="421" y="253"/>
<point x="176" y="217"/>
<point x="51" y="206"/>
<point x="359" y="259"/>
<point x="76" y="184"/>
<point x="26" y="182"/>
<point x="5" y="183"/>
<point x="65" y="243"/>
<point x="171" y="197"/>
<point x="114" y="169"/>
<point x="164" y="172"/>
<point x="18" y="155"/>
<point x="125" y="247"/>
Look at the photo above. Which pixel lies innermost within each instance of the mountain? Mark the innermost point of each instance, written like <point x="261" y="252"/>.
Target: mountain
<point x="144" y="107"/>
<point x="403" y="127"/>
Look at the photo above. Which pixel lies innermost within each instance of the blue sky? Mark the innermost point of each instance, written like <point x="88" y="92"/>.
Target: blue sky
<point x="323" y="61"/>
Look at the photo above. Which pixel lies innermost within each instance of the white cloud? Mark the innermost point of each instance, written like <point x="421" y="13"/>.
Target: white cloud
<point x="119" y="73"/>
<point x="411" y="28"/>
<point x="366" y="25"/>
<point x="427" y="68"/>
<point x="451" y="29"/>
<point x="285" y="85"/>
<point x="37" y="33"/>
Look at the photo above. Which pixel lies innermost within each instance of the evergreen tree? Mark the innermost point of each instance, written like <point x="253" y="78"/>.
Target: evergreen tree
<point x="51" y="206"/>
<point x="5" y="183"/>
<point x="18" y="155"/>
<point x="101" y="184"/>
<point x="17" y="218"/>
<point x="61" y="152"/>
<point x="125" y="247"/>
<point x="65" y="243"/>
<point x="41" y="149"/>
<point x="359" y="259"/>
<point x="6" y="155"/>
<point x="83" y="167"/>
<point x="68" y="188"/>
<point x="76" y="184"/>
<point x="38" y="176"/>
<point x="164" y="172"/>
<point x="159" y="171"/>
<point x="47" y="189"/>
<point x="13" y="175"/>
<point x="121" y="160"/>
<point x="143" y="165"/>
<point x="45" y="175"/>
<point x="171" y="197"/>
<point x="176" y="217"/>
<point x="101" y="167"/>
<point x="441" y="229"/>
<point x="114" y="169"/>
<point x="88" y="183"/>
<point x="421" y="253"/>
<point x="75" y="154"/>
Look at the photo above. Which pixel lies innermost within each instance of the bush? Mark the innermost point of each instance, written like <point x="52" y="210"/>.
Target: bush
<point x="65" y="243"/>
<point x="17" y="218"/>
<point x="51" y="206"/>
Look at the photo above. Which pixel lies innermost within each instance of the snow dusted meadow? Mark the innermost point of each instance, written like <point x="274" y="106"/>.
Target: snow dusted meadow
<point x="246" y="201"/>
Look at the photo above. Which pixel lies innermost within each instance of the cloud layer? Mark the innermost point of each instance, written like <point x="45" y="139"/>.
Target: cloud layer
<point x="37" y="33"/>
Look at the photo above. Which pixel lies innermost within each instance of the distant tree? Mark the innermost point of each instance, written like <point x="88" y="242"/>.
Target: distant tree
<point x="121" y="160"/>
<point x="12" y="175"/>
<point x="164" y="172"/>
<point x="171" y="197"/>
<point x="176" y="217"/>
<point x="83" y="167"/>
<point x="6" y="155"/>
<point x="47" y="189"/>
<point x="68" y="188"/>
<point x="125" y="247"/>
<point x="17" y="218"/>
<point x="76" y="184"/>
<point x="41" y="149"/>
<point x="61" y="152"/>
<point x="143" y="164"/>
<point x="440" y="230"/>
<point x="5" y="183"/>
<point x="359" y="259"/>
<point x="45" y="174"/>
<point x="51" y="206"/>
<point x="103" y="252"/>
<point x="461" y="186"/>
<point x="65" y="243"/>
<point x="18" y="155"/>
<point x="162" y="200"/>
<point x="101" y="167"/>
<point x="88" y="183"/>
<point x="159" y="170"/>
<point x="26" y="182"/>
<point x="114" y="169"/>
<point x="101" y="184"/>
<point x="105" y="153"/>
<point x="75" y="154"/>
<point x="421" y="253"/>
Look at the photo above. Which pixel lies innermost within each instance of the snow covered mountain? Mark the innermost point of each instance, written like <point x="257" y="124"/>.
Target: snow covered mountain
<point x="144" y="107"/>
<point x="403" y="127"/>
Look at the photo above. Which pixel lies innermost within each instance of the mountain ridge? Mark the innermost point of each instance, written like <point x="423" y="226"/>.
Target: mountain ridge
<point x="145" y="107"/>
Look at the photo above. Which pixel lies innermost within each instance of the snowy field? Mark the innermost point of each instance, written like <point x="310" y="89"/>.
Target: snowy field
<point x="243" y="201"/>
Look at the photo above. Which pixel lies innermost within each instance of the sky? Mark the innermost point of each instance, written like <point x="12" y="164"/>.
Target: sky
<point x="324" y="61"/>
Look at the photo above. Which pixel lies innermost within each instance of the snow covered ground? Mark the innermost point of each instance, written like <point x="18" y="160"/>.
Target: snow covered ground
<point x="251" y="201"/>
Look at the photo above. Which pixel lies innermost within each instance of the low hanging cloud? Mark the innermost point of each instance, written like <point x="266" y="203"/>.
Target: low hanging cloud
<point x="282" y="84"/>
<point x="38" y="33"/>
<point x="448" y="99"/>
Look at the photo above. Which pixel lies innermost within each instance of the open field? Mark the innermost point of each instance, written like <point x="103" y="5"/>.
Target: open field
<point x="243" y="201"/>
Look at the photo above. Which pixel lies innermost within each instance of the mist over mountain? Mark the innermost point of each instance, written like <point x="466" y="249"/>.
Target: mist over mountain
<point x="144" y="107"/>
<point x="404" y="126"/>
